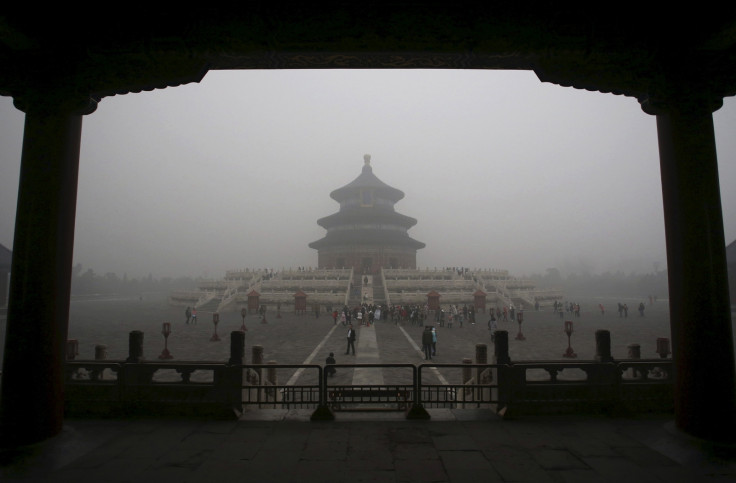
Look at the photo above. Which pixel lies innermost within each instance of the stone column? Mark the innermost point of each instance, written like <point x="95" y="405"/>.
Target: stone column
<point x="700" y="319"/>
<point x="38" y="310"/>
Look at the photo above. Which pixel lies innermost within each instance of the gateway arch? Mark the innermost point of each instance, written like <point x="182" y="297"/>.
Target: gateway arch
<point x="678" y="64"/>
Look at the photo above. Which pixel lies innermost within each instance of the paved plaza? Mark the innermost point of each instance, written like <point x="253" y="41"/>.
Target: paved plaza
<point x="284" y="445"/>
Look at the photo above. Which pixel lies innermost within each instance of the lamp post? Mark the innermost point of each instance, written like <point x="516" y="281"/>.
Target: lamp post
<point x="166" y="331"/>
<point x="243" y="313"/>
<point x="520" y="319"/>
<point x="215" y="321"/>
<point x="568" y="330"/>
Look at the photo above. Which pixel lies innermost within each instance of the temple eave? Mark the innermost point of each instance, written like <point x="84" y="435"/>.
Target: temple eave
<point x="358" y="217"/>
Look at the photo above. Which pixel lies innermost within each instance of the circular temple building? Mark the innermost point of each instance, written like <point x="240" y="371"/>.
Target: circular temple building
<point x="367" y="233"/>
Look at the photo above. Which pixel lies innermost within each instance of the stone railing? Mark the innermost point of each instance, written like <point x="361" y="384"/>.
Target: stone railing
<point x="428" y="285"/>
<point x="135" y="387"/>
<point x="273" y="285"/>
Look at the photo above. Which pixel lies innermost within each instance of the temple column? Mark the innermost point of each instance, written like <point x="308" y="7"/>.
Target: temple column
<point x="700" y="318"/>
<point x="38" y="310"/>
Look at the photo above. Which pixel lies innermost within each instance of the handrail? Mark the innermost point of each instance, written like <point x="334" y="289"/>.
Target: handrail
<point x="504" y="385"/>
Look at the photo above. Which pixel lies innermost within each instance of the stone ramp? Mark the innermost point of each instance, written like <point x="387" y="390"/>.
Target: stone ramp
<point x="366" y="352"/>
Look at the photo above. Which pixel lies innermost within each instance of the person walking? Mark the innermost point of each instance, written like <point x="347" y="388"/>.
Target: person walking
<point x="434" y="342"/>
<point x="330" y="370"/>
<point x="427" y="343"/>
<point x="492" y="326"/>
<point x="351" y="339"/>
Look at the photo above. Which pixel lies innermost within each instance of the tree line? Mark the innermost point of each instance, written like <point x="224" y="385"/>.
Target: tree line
<point x="87" y="282"/>
<point x="617" y="283"/>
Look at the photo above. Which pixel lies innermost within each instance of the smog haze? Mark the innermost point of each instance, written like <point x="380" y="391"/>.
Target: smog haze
<point x="500" y="170"/>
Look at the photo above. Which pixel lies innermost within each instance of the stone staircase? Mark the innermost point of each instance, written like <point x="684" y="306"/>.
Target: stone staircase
<point x="210" y="306"/>
<point x="379" y="291"/>
<point x="356" y="294"/>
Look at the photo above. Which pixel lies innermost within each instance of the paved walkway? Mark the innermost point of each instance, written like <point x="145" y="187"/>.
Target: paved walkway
<point x="470" y="448"/>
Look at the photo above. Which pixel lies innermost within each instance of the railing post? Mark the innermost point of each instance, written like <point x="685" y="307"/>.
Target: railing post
<point x="100" y="355"/>
<point x="481" y="357"/>
<point x="256" y="359"/>
<point x="635" y="354"/>
<point x="135" y="346"/>
<point x="271" y="377"/>
<point x="467" y="376"/>
<point x="501" y="347"/>
<point x="483" y="375"/>
<point x="504" y="372"/>
<point x="132" y="376"/>
<point x="603" y="346"/>
<point x="606" y="376"/>
<point x="417" y="410"/>
<point x="323" y="412"/>
<point x="235" y="371"/>
<point x="237" y="347"/>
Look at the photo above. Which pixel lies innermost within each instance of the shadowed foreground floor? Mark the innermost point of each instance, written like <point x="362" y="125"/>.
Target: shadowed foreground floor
<point x="456" y="445"/>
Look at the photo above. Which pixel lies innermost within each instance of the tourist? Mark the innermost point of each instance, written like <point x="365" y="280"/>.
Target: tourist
<point x="330" y="371"/>
<point x="194" y="316"/>
<point x="434" y="342"/>
<point x="641" y="309"/>
<point x="359" y="316"/>
<point x="492" y="326"/>
<point x="626" y="310"/>
<point x="351" y="339"/>
<point x="427" y="343"/>
<point x="343" y="319"/>
<point x="603" y="310"/>
<point x="188" y="313"/>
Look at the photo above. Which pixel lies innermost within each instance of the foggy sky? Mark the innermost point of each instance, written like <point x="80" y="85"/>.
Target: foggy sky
<point x="499" y="169"/>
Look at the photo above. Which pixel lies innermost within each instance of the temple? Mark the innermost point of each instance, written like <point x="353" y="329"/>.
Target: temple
<point x="367" y="234"/>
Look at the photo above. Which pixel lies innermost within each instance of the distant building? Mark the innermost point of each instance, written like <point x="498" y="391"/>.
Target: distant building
<point x="367" y="234"/>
